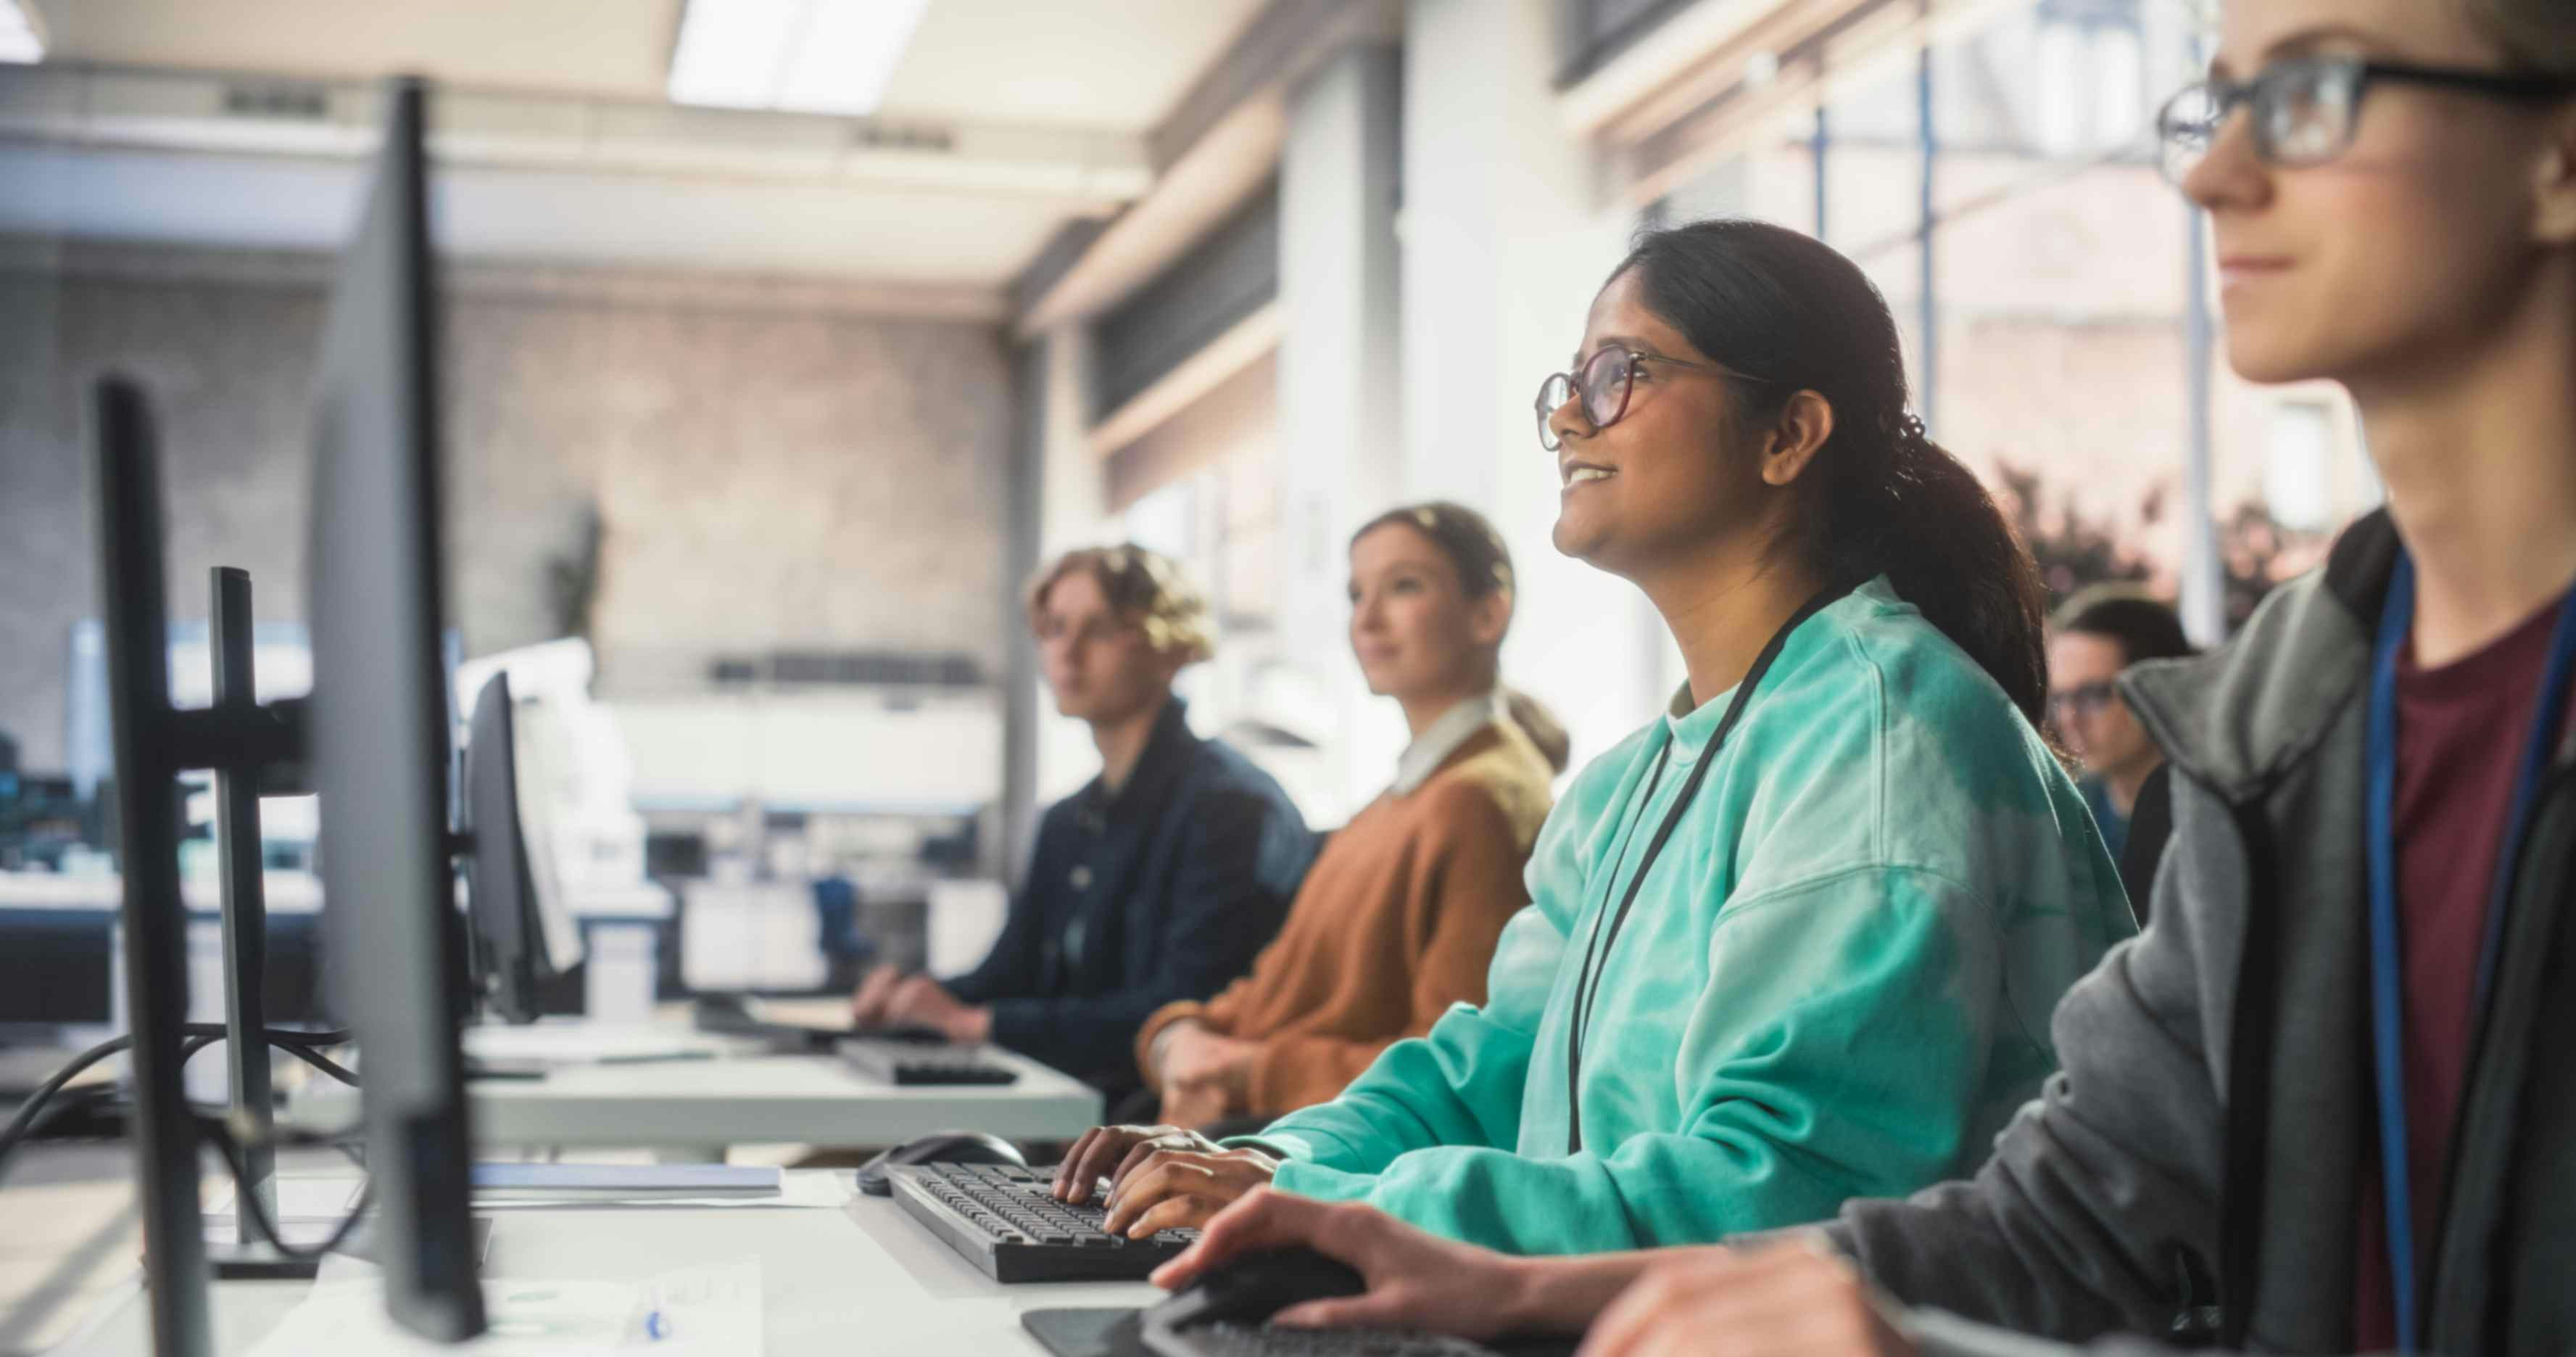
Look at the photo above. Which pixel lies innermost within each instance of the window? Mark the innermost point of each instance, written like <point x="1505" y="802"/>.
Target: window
<point x="2298" y="466"/>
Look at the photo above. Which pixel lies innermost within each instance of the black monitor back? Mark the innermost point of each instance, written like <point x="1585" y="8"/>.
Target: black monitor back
<point x="505" y="903"/>
<point x="380" y="738"/>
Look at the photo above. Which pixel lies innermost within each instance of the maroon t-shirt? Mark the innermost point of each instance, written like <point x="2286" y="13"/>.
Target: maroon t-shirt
<point x="2461" y="732"/>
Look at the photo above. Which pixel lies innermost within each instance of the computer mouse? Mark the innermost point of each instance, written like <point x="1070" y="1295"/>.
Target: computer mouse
<point x="1254" y="1287"/>
<point x="943" y="1147"/>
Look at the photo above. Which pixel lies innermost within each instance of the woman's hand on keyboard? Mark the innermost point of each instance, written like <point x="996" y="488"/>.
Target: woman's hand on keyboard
<point x="1109" y="1151"/>
<point x="1193" y="1104"/>
<point x="868" y="1004"/>
<point x="1170" y="1189"/>
<point x="1416" y="1281"/>
<point x="1197" y="1057"/>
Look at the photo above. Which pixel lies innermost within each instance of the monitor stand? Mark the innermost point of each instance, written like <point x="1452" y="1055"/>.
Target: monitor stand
<point x="154" y="742"/>
<point x="240" y="1251"/>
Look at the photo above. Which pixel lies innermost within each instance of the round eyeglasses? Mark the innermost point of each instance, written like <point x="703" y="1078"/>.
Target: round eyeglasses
<point x="1605" y="381"/>
<point x="2306" y="109"/>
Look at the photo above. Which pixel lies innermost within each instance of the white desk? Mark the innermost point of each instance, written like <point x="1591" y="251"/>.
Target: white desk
<point x="690" y="1110"/>
<point x="864" y="1279"/>
<point x="288" y="892"/>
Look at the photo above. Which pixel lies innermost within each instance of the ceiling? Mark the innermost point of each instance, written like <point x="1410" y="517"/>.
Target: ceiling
<point x="1106" y="66"/>
<point x="1115" y="65"/>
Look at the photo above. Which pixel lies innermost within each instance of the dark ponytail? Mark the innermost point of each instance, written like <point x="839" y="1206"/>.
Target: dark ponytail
<point x="1782" y="306"/>
<point x="1484" y="567"/>
<point x="1542" y="728"/>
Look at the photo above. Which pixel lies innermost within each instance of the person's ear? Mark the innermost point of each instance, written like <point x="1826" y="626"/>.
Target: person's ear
<point x="1800" y="430"/>
<point x="2554" y="182"/>
<point x="1489" y="617"/>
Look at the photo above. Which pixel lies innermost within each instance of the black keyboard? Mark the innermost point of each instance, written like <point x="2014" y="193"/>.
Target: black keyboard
<point x="899" y="1062"/>
<point x="1006" y="1222"/>
<point x="731" y="1016"/>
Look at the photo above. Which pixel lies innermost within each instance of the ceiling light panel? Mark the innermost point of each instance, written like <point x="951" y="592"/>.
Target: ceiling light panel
<point x="810" y="56"/>
<point x="21" y="41"/>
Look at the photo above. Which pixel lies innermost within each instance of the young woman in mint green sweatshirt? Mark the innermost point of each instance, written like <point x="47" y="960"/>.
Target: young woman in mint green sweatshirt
<point x="1797" y="940"/>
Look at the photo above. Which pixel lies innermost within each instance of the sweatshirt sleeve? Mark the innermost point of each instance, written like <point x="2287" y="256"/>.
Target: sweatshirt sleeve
<point x="1011" y="967"/>
<point x="2104" y="1191"/>
<point x="1465" y="889"/>
<point x="1844" y="1023"/>
<point x="1459" y="1083"/>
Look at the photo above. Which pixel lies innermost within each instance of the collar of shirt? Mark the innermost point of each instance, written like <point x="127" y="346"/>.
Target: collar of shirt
<point x="1167" y="752"/>
<point x="1689" y="726"/>
<point x="1453" y="728"/>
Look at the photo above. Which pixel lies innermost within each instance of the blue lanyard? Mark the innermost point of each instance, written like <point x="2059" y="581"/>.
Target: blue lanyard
<point x="2387" y="981"/>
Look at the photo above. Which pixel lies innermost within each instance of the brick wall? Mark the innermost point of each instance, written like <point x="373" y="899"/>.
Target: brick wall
<point x="770" y="466"/>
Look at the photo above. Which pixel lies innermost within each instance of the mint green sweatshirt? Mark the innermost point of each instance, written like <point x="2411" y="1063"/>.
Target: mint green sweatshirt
<point x="1835" y="982"/>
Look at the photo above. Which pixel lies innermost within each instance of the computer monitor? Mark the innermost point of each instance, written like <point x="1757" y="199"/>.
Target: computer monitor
<point x="522" y="933"/>
<point x="380" y="738"/>
<point x="126" y="474"/>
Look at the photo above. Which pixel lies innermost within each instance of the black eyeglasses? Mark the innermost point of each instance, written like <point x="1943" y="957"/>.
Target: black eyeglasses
<point x="2306" y="109"/>
<point x="1605" y="380"/>
<point x="2086" y="700"/>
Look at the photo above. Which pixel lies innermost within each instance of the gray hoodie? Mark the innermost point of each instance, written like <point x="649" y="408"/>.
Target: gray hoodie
<point x="2192" y="1174"/>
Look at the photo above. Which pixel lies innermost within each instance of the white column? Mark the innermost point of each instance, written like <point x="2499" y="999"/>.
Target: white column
<point x="1072" y="512"/>
<point x="1072" y="490"/>
<point x="1340" y="396"/>
<point x="1505" y="241"/>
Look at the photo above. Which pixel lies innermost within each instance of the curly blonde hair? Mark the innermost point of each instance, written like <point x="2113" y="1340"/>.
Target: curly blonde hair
<point x="1144" y="587"/>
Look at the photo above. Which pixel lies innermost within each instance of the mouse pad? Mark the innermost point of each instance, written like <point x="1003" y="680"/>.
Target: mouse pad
<point x="1087" y="1332"/>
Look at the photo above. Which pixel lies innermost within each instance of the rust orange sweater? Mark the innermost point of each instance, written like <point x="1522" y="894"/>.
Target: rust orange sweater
<point x="1396" y="921"/>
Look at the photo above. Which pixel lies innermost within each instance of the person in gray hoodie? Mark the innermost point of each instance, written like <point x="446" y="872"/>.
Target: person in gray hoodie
<point x="2314" y="1106"/>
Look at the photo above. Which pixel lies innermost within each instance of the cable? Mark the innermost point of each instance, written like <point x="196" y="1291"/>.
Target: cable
<point x="319" y="1061"/>
<point x="199" y="1035"/>
<point x="248" y="1203"/>
<point x="86" y="1098"/>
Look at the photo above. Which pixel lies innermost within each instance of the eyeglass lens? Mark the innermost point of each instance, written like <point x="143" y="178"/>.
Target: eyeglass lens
<point x="2303" y="115"/>
<point x="1552" y="393"/>
<point x="1605" y="387"/>
<point x="1603" y="384"/>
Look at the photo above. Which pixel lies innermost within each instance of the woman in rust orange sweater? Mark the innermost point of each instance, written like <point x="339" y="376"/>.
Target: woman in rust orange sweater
<point x="1397" y="919"/>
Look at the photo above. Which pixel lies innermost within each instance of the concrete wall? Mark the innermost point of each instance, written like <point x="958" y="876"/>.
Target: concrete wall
<point x="769" y="468"/>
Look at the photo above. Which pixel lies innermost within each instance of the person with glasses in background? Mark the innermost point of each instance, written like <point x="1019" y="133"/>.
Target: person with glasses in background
<point x="1159" y="880"/>
<point x="1796" y="939"/>
<point x="2322" y="1104"/>
<point x="2095" y="636"/>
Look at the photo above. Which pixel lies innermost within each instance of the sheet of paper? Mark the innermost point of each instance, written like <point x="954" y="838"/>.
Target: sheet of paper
<point x="709" y="1309"/>
<point x="668" y="1182"/>
<point x="309" y="1206"/>
<point x="808" y="1189"/>
<point x="300" y="1197"/>
<point x="588" y="1043"/>
<point x="833" y="1011"/>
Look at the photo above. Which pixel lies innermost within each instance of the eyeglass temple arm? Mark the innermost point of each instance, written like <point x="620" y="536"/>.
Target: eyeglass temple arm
<point x="2488" y="82"/>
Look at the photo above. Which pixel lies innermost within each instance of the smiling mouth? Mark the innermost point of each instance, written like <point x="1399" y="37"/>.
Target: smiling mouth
<point x="1579" y="473"/>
